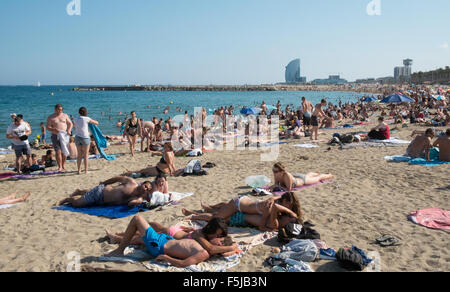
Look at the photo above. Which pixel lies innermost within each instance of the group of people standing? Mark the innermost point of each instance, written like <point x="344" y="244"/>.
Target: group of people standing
<point x="60" y="125"/>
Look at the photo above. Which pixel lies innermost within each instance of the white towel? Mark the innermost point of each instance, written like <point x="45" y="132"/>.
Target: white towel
<point x="306" y="146"/>
<point x="63" y="138"/>
<point x="8" y="206"/>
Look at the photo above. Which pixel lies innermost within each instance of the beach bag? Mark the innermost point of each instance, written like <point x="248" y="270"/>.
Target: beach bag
<point x="350" y="259"/>
<point x="291" y="231"/>
<point x="300" y="250"/>
<point x="194" y="166"/>
<point x="346" y="139"/>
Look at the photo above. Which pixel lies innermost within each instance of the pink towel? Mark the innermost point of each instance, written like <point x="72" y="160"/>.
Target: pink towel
<point x="434" y="218"/>
<point x="7" y="175"/>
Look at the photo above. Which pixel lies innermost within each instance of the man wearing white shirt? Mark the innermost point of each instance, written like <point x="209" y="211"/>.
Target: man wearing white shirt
<point x="18" y="133"/>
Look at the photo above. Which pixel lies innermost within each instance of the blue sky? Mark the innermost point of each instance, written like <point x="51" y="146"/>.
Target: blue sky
<point x="216" y="42"/>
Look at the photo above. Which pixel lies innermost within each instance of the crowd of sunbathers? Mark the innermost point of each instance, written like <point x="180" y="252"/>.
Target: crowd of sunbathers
<point x="183" y="246"/>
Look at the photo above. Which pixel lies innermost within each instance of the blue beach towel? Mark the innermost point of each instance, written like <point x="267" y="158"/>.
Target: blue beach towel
<point x="101" y="142"/>
<point x="434" y="159"/>
<point x="112" y="212"/>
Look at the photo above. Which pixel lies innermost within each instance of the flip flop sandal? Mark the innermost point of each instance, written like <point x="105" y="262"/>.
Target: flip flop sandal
<point x="388" y="240"/>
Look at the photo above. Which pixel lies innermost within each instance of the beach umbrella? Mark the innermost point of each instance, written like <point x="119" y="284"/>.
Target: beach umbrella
<point x="397" y="98"/>
<point x="438" y="97"/>
<point x="271" y="107"/>
<point x="370" y="99"/>
<point x="250" y="111"/>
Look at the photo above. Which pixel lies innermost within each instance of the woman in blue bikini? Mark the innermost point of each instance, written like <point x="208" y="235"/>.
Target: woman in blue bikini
<point x="242" y="211"/>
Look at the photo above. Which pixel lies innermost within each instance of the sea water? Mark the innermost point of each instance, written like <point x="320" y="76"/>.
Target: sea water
<point x="107" y="107"/>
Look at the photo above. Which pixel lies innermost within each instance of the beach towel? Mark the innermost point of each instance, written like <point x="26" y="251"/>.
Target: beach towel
<point x="112" y="212"/>
<point x="434" y="218"/>
<point x="415" y="161"/>
<point x="298" y="188"/>
<point x="6" y="206"/>
<point x="390" y="141"/>
<point x="28" y="176"/>
<point x="63" y="138"/>
<point x="306" y="146"/>
<point x="269" y="144"/>
<point x="194" y="153"/>
<point x="115" y="212"/>
<point x="101" y="142"/>
<point x="6" y="152"/>
<point x="7" y="175"/>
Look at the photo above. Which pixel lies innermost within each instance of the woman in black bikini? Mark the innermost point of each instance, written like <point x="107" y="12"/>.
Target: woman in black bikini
<point x="165" y="165"/>
<point x="133" y="129"/>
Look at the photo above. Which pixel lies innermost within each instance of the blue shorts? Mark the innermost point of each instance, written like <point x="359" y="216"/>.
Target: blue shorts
<point x="155" y="241"/>
<point x="79" y="141"/>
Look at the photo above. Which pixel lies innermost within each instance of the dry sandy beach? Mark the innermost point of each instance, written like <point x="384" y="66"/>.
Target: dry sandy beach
<point x="369" y="197"/>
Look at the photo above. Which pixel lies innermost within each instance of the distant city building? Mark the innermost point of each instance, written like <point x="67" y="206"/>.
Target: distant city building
<point x="332" y="80"/>
<point x="439" y="76"/>
<point x="402" y="74"/>
<point x="366" y="81"/>
<point x="292" y="74"/>
<point x="386" y="80"/>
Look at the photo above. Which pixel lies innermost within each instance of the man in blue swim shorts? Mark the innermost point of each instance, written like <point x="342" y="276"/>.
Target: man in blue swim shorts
<point x="179" y="253"/>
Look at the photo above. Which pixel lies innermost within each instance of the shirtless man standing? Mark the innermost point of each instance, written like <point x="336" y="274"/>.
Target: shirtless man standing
<point x="420" y="146"/>
<point x="443" y="143"/>
<point x="59" y="122"/>
<point x="147" y="134"/>
<point x="178" y="252"/>
<point x="128" y="192"/>
<point x="307" y="113"/>
<point x="317" y="113"/>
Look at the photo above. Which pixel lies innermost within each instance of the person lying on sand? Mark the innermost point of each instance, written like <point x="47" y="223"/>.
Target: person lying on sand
<point x="164" y="166"/>
<point x="128" y="192"/>
<point x="288" y="182"/>
<point x="243" y="211"/>
<point x="443" y="143"/>
<point x="211" y="237"/>
<point x="178" y="252"/>
<point x="11" y="199"/>
<point x="420" y="146"/>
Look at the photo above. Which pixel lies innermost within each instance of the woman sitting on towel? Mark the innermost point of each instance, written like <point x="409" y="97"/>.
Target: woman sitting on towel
<point x="380" y="132"/>
<point x="242" y="211"/>
<point x="284" y="181"/>
<point x="11" y="199"/>
<point x="165" y="165"/>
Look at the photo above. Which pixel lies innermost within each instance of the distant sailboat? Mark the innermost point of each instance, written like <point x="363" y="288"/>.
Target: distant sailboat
<point x="39" y="84"/>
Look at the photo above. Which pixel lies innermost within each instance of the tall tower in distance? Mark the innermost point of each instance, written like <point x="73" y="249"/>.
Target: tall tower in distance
<point x="407" y="63"/>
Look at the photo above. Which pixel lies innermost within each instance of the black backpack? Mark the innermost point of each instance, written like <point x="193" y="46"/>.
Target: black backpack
<point x="350" y="260"/>
<point x="296" y="231"/>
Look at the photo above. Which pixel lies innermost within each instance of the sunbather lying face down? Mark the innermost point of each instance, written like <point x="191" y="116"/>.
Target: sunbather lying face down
<point x="243" y="211"/>
<point x="178" y="252"/>
<point x="128" y="192"/>
<point x="289" y="182"/>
